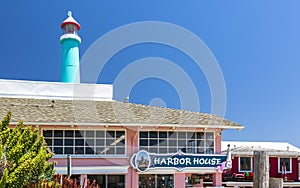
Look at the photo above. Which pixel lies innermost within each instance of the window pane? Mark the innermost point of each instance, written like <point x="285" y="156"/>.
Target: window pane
<point x="172" y="143"/>
<point x="69" y="142"/>
<point x="153" y="150"/>
<point x="163" y="150"/>
<point x="209" y="143"/>
<point x="163" y="142"/>
<point x="58" y="142"/>
<point x="200" y="135"/>
<point x="143" y="142"/>
<point x="153" y="134"/>
<point x="285" y="164"/>
<point x="209" y="135"/>
<point x="58" y="133"/>
<point x="182" y="135"/>
<point x="109" y="141"/>
<point x="49" y="142"/>
<point x="89" y="134"/>
<point x="111" y="151"/>
<point x="162" y="134"/>
<point x="121" y="143"/>
<point x="69" y="133"/>
<point x="110" y="134"/>
<point x="68" y="150"/>
<point x="89" y="150"/>
<point x="100" y="142"/>
<point x="47" y="133"/>
<point x="200" y="150"/>
<point x="143" y="134"/>
<point x="190" y="135"/>
<point x="79" y="150"/>
<point x="100" y="150"/>
<point x="200" y="143"/>
<point x="79" y="142"/>
<point x="89" y="142"/>
<point x="181" y="143"/>
<point x="58" y="150"/>
<point x="79" y="134"/>
<point x="153" y="142"/>
<point x="100" y="134"/>
<point x="172" y="135"/>
<point x="120" y="133"/>
<point x="172" y="150"/>
<point x="209" y="150"/>
<point x="245" y="163"/>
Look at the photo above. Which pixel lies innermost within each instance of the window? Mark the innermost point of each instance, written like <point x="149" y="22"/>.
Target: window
<point x="117" y="181"/>
<point x="285" y="165"/>
<point x="172" y="142"/>
<point x="86" y="142"/>
<point x="156" y="180"/>
<point x="245" y="164"/>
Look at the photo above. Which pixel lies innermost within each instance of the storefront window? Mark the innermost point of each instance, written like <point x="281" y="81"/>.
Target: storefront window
<point x="156" y="181"/>
<point x="111" y="181"/>
<point x="86" y="142"/>
<point x="172" y="142"/>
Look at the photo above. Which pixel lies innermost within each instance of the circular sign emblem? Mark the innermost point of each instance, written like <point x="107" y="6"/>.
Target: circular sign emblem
<point x="142" y="161"/>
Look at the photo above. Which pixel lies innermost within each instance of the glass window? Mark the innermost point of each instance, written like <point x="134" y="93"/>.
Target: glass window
<point x="186" y="141"/>
<point x="156" y="180"/>
<point x="87" y="142"/>
<point x="245" y="164"/>
<point x="111" y="181"/>
<point x="285" y="165"/>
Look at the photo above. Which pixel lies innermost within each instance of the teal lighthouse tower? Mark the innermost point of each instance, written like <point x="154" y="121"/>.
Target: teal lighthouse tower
<point x="70" y="42"/>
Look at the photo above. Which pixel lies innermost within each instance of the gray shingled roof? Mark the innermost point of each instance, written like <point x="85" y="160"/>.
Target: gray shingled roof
<point x="45" y="111"/>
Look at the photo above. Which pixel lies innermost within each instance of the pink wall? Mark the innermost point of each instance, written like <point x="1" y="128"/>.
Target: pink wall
<point x="179" y="180"/>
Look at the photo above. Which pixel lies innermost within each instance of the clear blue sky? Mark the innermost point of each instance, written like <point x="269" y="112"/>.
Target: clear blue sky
<point x="256" y="43"/>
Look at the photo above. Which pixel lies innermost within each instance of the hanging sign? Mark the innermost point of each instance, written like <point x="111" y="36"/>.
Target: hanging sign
<point x="144" y="161"/>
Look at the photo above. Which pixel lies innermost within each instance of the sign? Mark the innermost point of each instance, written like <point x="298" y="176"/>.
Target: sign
<point x="144" y="161"/>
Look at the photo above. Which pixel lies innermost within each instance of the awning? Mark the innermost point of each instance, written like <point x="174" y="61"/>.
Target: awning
<point x="93" y="170"/>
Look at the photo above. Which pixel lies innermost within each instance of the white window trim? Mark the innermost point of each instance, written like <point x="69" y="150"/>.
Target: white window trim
<point x="279" y="167"/>
<point x="90" y="155"/>
<point x="214" y="137"/>
<point x="251" y="165"/>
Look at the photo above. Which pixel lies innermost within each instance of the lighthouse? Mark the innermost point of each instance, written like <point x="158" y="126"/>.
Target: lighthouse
<point x="70" y="41"/>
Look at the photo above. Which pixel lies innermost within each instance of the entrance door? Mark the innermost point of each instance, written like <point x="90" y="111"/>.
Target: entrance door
<point x="156" y="181"/>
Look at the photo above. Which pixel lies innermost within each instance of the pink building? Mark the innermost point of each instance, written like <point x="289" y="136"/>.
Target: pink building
<point x="117" y="144"/>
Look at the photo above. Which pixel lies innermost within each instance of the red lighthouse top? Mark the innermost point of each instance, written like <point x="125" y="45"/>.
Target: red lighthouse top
<point x="70" y="21"/>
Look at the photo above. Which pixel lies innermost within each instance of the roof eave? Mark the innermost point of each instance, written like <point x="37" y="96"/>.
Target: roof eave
<point x="238" y="127"/>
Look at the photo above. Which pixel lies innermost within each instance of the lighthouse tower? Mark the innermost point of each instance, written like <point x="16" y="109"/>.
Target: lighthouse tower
<point x="70" y="52"/>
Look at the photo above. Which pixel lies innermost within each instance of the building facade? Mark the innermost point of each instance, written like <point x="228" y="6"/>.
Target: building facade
<point x="283" y="159"/>
<point x="118" y="144"/>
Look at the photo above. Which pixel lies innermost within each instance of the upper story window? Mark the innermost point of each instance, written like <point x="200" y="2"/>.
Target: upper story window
<point x="284" y="165"/>
<point x="86" y="142"/>
<point x="245" y="164"/>
<point x="173" y="141"/>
